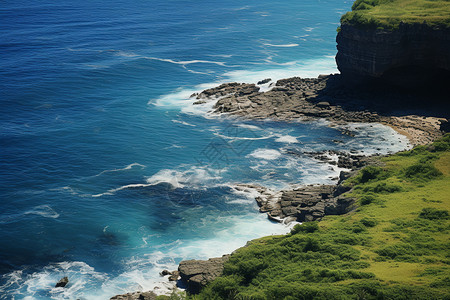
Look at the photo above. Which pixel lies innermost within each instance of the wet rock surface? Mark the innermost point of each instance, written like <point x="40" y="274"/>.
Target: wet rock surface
<point x="62" y="282"/>
<point x="332" y="98"/>
<point x="136" y="296"/>
<point x="195" y="274"/>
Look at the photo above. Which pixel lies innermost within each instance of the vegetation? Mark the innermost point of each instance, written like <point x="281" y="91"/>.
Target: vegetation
<point x="387" y="14"/>
<point x="393" y="246"/>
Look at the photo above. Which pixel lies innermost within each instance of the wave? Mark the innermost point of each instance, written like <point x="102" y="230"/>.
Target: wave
<point x="186" y="62"/>
<point x="129" y="167"/>
<point x="45" y="211"/>
<point x="194" y="177"/>
<point x="267" y="154"/>
<point x="286" y="139"/>
<point x="183" y="123"/>
<point x="237" y="138"/>
<point x="282" y="45"/>
<point x="181" y="98"/>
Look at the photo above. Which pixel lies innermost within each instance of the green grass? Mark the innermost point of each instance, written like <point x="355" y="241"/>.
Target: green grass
<point x="387" y="14"/>
<point x="393" y="246"/>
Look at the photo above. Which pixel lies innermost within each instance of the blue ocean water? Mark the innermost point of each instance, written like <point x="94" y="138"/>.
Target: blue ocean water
<point x="108" y="174"/>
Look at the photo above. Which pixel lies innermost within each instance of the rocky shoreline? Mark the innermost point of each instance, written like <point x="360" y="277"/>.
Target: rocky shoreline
<point x="326" y="97"/>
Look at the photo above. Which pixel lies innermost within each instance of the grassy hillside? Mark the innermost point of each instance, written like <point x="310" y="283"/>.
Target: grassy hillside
<point x="395" y="245"/>
<point x="388" y="14"/>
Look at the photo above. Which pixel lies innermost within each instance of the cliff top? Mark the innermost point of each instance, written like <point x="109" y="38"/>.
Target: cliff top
<point x="388" y="14"/>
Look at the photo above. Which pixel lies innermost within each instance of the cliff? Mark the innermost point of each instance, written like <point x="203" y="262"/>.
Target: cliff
<point x="412" y="53"/>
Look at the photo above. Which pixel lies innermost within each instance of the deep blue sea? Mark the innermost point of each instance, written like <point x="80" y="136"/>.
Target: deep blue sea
<point x="108" y="174"/>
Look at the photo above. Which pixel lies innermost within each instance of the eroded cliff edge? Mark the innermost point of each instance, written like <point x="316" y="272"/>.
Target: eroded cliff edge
<point x="408" y="55"/>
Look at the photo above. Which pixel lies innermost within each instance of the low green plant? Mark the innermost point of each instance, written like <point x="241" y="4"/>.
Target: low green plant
<point x="431" y="213"/>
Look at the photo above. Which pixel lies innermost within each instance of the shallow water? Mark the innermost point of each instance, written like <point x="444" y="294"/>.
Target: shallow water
<point x="108" y="174"/>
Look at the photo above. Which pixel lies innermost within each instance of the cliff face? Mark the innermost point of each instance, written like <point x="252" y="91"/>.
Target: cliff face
<point x="413" y="50"/>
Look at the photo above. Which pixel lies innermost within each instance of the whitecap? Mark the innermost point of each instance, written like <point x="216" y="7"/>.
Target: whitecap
<point x="183" y="123"/>
<point x="286" y="139"/>
<point x="267" y="154"/>
<point x="194" y="177"/>
<point x="282" y="45"/>
<point x="44" y="211"/>
<point x="128" y="167"/>
<point x="181" y="98"/>
<point x="186" y="62"/>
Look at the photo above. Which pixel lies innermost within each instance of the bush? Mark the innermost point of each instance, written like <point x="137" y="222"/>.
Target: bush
<point x="383" y="187"/>
<point x="370" y="173"/>
<point x="367" y="199"/>
<point x="421" y="171"/>
<point x="368" y="222"/>
<point x="308" y="227"/>
<point x="433" y="214"/>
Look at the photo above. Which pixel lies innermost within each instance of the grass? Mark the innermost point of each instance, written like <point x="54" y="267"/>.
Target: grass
<point x="394" y="246"/>
<point x="387" y="14"/>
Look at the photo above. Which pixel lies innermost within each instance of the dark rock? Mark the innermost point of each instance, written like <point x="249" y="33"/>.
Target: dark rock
<point x="174" y="276"/>
<point x="165" y="273"/>
<point x="197" y="273"/>
<point x="410" y="55"/>
<point x="264" y="81"/>
<point x="62" y="282"/>
<point x="323" y="104"/>
<point x="136" y="296"/>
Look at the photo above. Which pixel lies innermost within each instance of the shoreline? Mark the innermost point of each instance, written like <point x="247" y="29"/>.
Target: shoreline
<point x="288" y="100"/>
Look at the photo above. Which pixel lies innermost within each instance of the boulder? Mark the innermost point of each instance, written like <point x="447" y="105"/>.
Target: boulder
<point x="197" y="273"/>
<point x="136" y="296"/>
<point x="62" y="282"/>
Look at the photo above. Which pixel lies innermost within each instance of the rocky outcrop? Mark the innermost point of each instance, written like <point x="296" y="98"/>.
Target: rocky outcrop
<point x="409" y="54"/>
<point x="195" y="274"/>
<point x="308" y="203"/>
<point x="136" y="296"/>
<point x="330" y="97"/>
<point x="62" y="282"/>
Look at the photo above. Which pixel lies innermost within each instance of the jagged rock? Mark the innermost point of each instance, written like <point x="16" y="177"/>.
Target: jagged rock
<point x="197" y="273"/>
<point x="307" y="203"/>
<point x="174" y="276"/>
<point x="165" y="273"/>
<point x="62" y="282"/>
<point x="136" y="296"/>
<point x="264" y="81"/>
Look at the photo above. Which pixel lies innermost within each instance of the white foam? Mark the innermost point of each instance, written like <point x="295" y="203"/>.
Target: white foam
<point x="238" y="138"/>
<point x="286" y="139"/>
<point x="267" y="154"/>
<point x="373" y="138"/>
<point x="180" y="98"/>
<point x="282" y="45"/>
<point x="195" y="177"/>
<point x="129" y="167"/>
<point x="183" y="123"/>
<point x="186" y="62"/>
<point x="44" y="211"/>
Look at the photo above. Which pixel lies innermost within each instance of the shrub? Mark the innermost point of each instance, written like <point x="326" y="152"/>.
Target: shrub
<point x="433" y="214"/>
<point x="368" y="222"/>
<point x="370" y="173"/>
<point x="383" y="187"/>
<point x="367" y="199"/>
<point x="421" y="171"/>
<point x="307" y="227"/>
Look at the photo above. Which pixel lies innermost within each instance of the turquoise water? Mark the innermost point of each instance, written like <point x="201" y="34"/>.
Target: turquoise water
<point x="109" y="174"/>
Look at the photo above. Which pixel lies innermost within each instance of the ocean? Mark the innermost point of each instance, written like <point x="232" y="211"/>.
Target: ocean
<point x="109" y="174"/>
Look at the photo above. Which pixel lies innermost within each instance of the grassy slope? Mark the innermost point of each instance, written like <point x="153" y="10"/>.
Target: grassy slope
<point x="395" y="245"/>
<point x="387" y="14"/>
